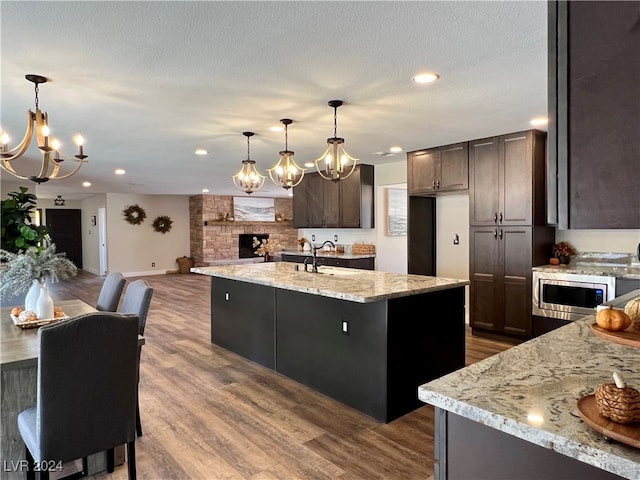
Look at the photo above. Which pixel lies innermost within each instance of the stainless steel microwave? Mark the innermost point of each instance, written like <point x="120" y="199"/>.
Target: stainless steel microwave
<point x="569" y="296"/>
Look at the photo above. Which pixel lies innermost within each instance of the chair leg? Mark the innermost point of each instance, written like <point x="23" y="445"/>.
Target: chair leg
<point x="31" y="474"/>
<point x="138" y="424"/>
<point x="111" y="460"/>
<point x="131" y="459"/>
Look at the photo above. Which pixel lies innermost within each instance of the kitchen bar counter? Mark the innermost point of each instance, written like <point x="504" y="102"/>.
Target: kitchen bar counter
<point x="362" y="286"/>
<point x="530" y="392"/>
<point x="365" y="338"/>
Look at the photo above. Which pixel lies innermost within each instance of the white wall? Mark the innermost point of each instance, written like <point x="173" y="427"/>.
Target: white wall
<point x="620" y="241"/>
<point x="131" y="249"/>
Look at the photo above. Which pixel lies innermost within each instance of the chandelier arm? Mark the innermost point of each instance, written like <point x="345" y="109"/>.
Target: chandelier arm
<point x="22" y="147"/>
<point x="8" y="168"/>
<point x="44" y="169"/>
<point x="322" y="157"/>
<point x="57" y="168"/>
<point x="41" y="121"/>
<point x="70" y="158"/>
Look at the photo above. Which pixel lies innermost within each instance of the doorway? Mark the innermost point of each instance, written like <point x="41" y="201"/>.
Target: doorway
<point x="65" y="230"/>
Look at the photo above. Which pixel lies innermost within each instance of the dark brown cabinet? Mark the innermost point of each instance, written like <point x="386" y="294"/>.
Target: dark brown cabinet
<point x="507" y="179"/>
<point x="349" y="203"/>
<point x="361" y="263"/>
<point x="594" y="110"/>
<point x="507" y="232"/>
<point x="501" y="259"/>
<point x="438" y="170"/>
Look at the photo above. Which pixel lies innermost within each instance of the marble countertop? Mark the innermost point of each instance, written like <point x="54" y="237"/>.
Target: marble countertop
<point x="349" y="256"/>
<point x="622" y="271"/>
<point x="531" y="391"/>
<point x="350" y="284"/>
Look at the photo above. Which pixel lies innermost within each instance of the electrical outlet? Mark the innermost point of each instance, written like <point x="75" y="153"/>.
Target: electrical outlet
<point x="153" y="264"/>
<point x="335" y="238"/>
<point x="313" y="238"/>
<point x="456" y="239"/>
<point x="345" y="326"/>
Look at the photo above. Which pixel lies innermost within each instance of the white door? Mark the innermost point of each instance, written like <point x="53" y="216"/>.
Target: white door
<point x="102" y="229"/>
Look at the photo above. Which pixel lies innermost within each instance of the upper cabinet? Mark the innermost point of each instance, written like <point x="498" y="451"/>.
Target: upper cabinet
<point x="438" y="170"/>
<point x="594" y="115"/>
<point x="349" y="203"/>
<point x="507" y="179"/>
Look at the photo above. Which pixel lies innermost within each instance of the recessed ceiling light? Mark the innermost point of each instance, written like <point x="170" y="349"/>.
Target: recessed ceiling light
<point x="276" y="128"/>
<point x="201" y="151"/>
<point x="309" y="165"/>
<point x="119" y="171"/>
<point x="426" y="77"/>
<point x="86" y="184"/>
<point x="539" y="121"/>
<point x="395" y="149"/>
<point x="205" y="190"/>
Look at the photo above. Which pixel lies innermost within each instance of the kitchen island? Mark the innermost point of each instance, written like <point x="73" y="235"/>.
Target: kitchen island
<point x="514" y="415"/>
<point x="365" y="338"/>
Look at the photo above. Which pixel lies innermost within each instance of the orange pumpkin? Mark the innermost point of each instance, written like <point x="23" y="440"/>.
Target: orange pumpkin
<point x="613" y="319"/>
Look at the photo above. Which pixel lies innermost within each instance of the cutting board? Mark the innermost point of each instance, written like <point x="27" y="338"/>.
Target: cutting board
<point x="627" y="433"/>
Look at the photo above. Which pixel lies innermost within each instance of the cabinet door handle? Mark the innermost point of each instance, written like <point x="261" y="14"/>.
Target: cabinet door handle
<point x="495" y="233"/>
<point x="500" y="217"/>
<point x="433" y="184"/>
<point x="438" y="183"/>
<point x="495" y="217"/>
<point x="500" y="234"/>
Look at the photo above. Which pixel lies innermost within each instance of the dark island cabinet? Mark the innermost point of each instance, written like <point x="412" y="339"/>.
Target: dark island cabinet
<point x="438" y="170"/>
<point x="594" y="110"/>
<point x="349" y="203"/>
<point x="507" y="179"/>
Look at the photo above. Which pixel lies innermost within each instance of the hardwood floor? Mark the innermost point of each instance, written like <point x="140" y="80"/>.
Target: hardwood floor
<point x="210" y="414"/>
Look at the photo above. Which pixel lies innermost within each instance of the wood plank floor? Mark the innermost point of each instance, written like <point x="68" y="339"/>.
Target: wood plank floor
<point x="210" y="414"/>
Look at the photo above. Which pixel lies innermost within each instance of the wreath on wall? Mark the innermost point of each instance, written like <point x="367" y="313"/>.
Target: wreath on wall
<point x="134" y="214"/>
<point x="162" y="224"/>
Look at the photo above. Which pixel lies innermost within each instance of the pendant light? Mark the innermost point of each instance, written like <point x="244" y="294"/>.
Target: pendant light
<point x="248" y="178"/>
<point x="335" y="163"/>
<point x="286" y="173"/>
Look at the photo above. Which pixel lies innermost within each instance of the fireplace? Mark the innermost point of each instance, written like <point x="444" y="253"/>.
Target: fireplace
<point x="245" y="244"/>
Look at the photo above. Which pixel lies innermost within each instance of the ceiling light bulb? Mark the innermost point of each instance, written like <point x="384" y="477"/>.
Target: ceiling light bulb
<point x="55" y="144"/>
<point x="79" y="140"/>
<point x="537" y="121"/>
<point x="119" y="171"/>
<point x="395" y="149"/>
<point x="426" y="77"/>
<point x="4" y="139"/>
<point x="86" y="184"/>
<point x="276" y="128"/>
<point x="205" y="190"/>
<point x="45" y="131"/>
<point x="201" y="151"/>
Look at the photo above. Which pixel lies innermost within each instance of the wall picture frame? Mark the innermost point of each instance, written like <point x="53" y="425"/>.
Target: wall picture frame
<point x="254" y="209"/>
<point x="395" y="211"/>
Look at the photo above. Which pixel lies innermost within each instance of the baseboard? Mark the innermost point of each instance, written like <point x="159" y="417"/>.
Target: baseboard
<point x="148" y="272"/>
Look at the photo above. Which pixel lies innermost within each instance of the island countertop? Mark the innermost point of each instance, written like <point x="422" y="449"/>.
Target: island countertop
<point x="531" y="391"/>
<point x="350" y="284"/>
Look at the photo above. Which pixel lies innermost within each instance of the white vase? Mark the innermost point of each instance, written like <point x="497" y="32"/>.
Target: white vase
<point x="44" y="305"/>
<point x="32" y="296"/>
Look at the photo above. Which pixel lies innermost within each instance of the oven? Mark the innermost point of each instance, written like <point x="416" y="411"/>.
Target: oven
<point x="570" y="296"/>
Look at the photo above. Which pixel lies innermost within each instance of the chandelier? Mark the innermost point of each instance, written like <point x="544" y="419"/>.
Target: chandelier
<point x="286" y="173"/>
<point x="248" y="178"/>
<point x="52" y="157"/>
<point x="334" y="164"/>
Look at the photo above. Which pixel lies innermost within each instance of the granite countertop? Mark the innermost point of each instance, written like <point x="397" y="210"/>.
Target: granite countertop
<point x="531" y="391"/>
<point x="622" y="271"/>
<point x="348" y="256"/>
<point x="350" y="284"/>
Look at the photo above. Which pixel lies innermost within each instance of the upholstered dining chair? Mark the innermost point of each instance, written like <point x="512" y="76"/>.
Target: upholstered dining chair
<point x="137" y="299"/>
<point x="111" y="292"/>
<point x="86" y="392"/>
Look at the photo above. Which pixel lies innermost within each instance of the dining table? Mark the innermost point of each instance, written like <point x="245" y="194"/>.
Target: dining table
<point x="19" y="350"/>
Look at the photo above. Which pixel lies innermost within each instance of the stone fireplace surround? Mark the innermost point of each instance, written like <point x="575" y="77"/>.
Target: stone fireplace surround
<point x="217" y="242"/>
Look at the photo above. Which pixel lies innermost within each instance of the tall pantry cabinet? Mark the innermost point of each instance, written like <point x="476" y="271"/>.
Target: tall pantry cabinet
<point x="507" y="231"/>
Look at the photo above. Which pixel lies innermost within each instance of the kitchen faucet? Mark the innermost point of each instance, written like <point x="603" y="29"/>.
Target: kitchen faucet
<point x="314" y="256"/>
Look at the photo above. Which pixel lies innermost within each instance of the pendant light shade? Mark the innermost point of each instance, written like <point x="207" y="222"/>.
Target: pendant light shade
<point x="248" y="179"/>
<point x="286" y="173"/>
<point x="335" y="163"/>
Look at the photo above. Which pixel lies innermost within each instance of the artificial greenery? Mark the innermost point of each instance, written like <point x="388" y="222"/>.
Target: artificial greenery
<point x="134" y="214"/>
<point x="162" y="224"/>
<point x="42" y="264"/>
<point x="18" y="232"/>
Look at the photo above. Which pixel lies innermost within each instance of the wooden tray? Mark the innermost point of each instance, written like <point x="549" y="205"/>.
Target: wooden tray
<point x="629" y="337"/>
<point x="627" y="433"/>
<point x="36" y="323"/>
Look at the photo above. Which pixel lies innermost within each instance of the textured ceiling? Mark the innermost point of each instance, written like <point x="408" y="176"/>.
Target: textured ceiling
<point x="146" y="83"/>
